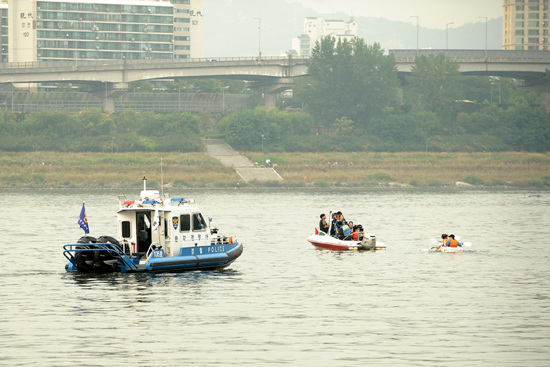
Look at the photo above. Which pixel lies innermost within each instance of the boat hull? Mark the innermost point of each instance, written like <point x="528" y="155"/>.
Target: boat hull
<point x="196" y="258"/>
<point x="447" y="249"/>
<point x="334" y="244"/>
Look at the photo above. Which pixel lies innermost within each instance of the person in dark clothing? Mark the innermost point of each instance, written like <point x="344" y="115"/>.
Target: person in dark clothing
<point x="323" y="225"/>
<point x="333" y="226"/>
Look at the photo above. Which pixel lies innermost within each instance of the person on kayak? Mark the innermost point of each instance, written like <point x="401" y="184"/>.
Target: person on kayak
<point x="444" y="239"/>
<point x="323" y="225"/>
<point x="452" y="242"/>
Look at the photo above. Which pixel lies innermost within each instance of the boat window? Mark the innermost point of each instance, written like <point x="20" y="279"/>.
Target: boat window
<point x="198" y="222"/>
<point x="185" y="220"/>
<point x="126" y="229"/>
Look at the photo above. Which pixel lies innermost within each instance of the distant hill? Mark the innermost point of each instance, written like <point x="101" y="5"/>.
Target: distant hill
<point x="231" y="29"/>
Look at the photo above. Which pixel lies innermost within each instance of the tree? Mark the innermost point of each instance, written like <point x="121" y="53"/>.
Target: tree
<point x="433" y="82"/>
<point x="349" y="79"/>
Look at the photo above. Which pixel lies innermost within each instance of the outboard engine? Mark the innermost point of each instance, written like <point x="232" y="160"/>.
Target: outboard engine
<point x="368" y="243"/>
<point x="114" y="241"/>
<point x="95" y="259"/>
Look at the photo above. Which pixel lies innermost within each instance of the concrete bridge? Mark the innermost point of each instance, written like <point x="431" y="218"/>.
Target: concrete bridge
<point x="268" y="75"/>
<point x="530" y="66"/>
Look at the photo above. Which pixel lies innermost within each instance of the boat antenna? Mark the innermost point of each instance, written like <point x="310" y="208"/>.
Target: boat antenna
<point x="144" y="182"/>
<point x="161" y="180"/>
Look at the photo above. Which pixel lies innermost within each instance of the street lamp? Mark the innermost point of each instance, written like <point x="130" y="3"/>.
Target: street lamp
<point x="223" y="97"/>
<point x="493" y="82"/>
<point x="67" y="35"/>
<point x="447" y="36"/>
<point x="485" y="36"/>
<point x="259" y="38"/>
<point x="427" y="140"/>
<point x="417" y="30"/>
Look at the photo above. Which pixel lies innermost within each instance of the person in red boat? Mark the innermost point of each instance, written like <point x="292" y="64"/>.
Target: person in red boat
<point x="323" y="225"/>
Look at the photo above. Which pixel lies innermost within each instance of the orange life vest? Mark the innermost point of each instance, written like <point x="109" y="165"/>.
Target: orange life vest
<point x="452" y="243"/>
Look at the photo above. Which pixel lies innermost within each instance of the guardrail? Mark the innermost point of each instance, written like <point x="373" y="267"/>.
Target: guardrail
<point x="154" y="63"/>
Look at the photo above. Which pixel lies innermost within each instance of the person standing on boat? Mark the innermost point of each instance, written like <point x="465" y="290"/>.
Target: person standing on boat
<point x="343" y="231"/>
<point x="333" y="224"/>
<point x="452" y="242"/>
<point x="341" y="218"/>
<point x="323" y="225"/>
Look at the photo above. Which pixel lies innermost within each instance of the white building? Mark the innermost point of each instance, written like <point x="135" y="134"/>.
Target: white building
<point x="46" y="30"/>
<point x="317" y="28"/>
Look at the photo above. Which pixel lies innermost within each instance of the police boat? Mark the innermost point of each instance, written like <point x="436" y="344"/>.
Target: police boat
<point x="154" y="235"/>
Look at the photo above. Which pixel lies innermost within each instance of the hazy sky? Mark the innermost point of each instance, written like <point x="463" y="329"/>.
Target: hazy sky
<point x="431" y="13"/>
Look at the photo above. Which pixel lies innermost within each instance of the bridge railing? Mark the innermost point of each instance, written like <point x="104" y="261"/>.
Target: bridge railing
<point x="120" y="64"/>
<point x="475" y="55"/>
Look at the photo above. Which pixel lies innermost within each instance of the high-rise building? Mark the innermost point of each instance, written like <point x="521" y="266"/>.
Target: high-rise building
<point x="46" y="30"/>
<point x="317" y="28"/>
<point x="526" y="25"/>
<point x="3" y="33"/>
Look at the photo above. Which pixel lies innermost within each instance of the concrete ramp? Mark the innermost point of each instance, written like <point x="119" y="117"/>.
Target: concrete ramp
<point x="229" y="157"/>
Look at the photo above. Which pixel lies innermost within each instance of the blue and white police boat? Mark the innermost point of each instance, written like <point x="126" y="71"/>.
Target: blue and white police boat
<point x="155" y="235"/>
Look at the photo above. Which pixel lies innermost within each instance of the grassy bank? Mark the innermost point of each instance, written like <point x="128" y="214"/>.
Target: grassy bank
<point x="50" y="169"/>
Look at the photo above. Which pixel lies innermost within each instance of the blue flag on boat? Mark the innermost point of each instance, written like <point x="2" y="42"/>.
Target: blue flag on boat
<point x="83" y="220"/>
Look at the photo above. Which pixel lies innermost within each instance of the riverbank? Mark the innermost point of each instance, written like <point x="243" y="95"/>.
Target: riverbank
<point x="298" y="170"/>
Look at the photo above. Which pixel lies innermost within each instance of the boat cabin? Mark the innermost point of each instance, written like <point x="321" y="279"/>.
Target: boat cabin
<point x="170" y="224"/>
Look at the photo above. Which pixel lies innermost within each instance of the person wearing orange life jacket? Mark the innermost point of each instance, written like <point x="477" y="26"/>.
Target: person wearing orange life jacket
<point x="452" y="242"/>
<point x="357" y="233"/>
<point x="444" y="239"/>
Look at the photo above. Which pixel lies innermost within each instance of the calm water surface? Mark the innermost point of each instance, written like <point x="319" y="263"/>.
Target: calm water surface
<point x="284" y="302"/>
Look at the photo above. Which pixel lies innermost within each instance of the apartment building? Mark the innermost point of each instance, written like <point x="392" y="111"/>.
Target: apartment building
<point x="526" y="25"/>
<point x="4" y="33"/>
<point x="47" y="30"/>
<point x="317" y="28"/>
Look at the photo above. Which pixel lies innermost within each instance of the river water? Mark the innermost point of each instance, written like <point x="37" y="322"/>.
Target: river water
<point x="283" y="302"/>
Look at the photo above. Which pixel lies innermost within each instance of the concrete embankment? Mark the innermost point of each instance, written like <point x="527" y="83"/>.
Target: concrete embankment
<point x="229" y="157"/>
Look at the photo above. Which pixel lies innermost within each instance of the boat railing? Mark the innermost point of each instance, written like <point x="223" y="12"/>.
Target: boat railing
<point x="152" y="246"/>
<point x="71" y="249"/>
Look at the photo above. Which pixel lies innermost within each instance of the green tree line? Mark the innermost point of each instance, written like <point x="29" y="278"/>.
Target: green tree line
<point x="354" y="100"/>
<point x="95" y="131"/>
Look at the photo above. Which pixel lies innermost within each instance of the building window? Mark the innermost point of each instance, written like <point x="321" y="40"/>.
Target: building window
<point x="520" y="24"/>
<point x="520" y="15"/>
<point x="518" y="40"/>
<point x="533" y="15"/>
<point x="534" y="32"/>
<point x="534" y="24"/>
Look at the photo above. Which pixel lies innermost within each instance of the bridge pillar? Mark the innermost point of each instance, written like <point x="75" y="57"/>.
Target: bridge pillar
<point x="270" y="100"/>
<point x="112" y="90"/>
<point x="270" y="89"/>
<point x="545" y="98"/>
<point x="544" y="94"/>
<point x="108" y="105"/>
